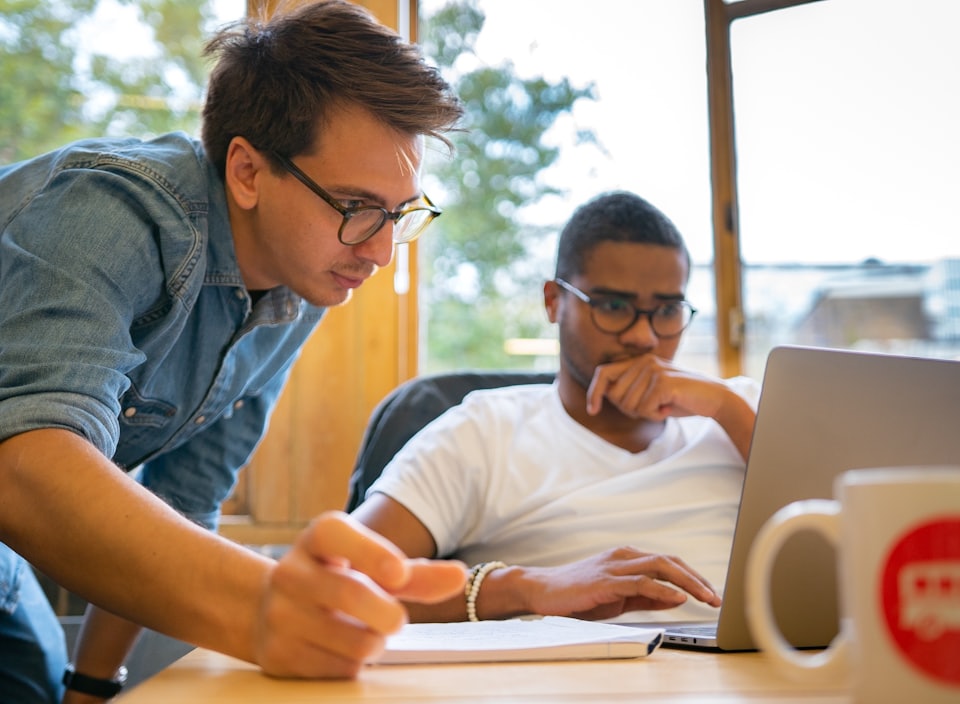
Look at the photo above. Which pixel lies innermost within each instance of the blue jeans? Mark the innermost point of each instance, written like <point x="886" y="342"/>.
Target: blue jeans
<point x="33" y="652"/>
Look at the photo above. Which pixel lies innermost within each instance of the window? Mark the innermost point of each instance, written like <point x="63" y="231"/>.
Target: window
<point x="648" y="122"/>
<point x="847" y="162"/>
<point x="848" y="172"/>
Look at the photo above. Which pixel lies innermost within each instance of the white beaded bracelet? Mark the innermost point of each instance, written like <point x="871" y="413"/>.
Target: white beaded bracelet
<point x="477" y="575"/>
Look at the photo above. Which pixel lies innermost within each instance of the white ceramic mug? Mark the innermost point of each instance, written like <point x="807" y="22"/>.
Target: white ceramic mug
<point x="897" y="534"/>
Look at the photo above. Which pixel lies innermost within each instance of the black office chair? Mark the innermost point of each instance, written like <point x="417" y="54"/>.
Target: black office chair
<point x="411" y="406"/>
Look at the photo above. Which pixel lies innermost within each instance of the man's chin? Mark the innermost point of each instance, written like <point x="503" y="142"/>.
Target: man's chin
<point x="328" y="299"/>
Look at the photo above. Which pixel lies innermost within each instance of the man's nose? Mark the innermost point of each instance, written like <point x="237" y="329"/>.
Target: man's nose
<point x="641" y="333"/>
<point x="379" y="248"/>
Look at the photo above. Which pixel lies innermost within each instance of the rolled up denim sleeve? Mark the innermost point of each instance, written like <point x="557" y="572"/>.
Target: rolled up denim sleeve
<point x="77" y="258"/>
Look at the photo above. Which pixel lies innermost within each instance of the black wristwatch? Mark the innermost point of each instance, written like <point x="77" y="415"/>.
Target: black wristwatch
<point x="105" y="689"/>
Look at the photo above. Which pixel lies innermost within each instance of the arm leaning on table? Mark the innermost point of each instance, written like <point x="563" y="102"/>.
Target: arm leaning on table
<point x="441" y="465"/>
<point x="602" y="586"/>
<point x="151" y="292"/>
<point x="210" y="591"/>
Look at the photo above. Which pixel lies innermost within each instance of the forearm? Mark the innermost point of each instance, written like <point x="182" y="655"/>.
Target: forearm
<point x="125" y="549"/>
<point x="597" y="587"/>
<point x="102" y="647"/>
<point x="737" y="417"/>
<point x="504" y="593"/>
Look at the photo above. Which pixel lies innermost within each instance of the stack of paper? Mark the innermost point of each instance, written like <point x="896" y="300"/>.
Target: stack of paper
<point x="548" y="638"/>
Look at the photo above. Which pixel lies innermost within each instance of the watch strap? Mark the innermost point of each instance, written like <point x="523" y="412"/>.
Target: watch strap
<point x="94" y="686"/>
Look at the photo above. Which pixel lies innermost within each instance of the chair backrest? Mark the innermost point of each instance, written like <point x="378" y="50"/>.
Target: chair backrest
<point x="411" y="406"/>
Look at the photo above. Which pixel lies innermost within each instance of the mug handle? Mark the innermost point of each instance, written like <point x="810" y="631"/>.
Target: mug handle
<point x="820" y="516"/>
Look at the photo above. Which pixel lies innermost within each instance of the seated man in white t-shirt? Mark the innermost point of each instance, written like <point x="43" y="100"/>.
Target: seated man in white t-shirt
<point x="610" y="492"/>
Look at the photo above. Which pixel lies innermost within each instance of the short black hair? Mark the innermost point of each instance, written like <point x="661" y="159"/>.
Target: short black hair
<point x="616" y="216"/>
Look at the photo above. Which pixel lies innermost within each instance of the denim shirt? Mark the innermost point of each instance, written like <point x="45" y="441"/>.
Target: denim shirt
<point x="124" y="318"/>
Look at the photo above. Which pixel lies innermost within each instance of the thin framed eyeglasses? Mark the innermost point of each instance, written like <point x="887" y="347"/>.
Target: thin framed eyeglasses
<point x="362" y="223"/>
<point x="615" y="315"/>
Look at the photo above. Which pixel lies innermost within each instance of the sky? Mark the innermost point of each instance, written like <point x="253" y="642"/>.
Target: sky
<point x="116" y="25"/>
<point x="845" y="112"/>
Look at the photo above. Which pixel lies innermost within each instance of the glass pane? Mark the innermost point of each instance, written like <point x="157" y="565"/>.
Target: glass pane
<point x="848" y="175"/>
<point x="648" y="118"/>
<point x="86" y="68"/>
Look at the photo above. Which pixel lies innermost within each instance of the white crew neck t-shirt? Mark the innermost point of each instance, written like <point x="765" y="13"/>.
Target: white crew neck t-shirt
<point x="508" y="475"/>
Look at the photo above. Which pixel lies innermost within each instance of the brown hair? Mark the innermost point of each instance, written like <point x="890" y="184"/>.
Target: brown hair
<point x="275" y="82"/>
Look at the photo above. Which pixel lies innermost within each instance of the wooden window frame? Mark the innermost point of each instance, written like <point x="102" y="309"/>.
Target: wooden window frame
<point x="367" y="348"/>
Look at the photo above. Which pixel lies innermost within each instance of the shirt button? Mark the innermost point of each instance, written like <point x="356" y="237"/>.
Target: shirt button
<point x="199" y="420"/>
<point x="237" y="405"/>
<point x="130" y="412"/>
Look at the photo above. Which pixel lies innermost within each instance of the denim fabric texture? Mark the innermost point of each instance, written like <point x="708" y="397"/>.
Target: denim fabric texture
<point x="124" y="318"/>
<point x="33" y="653"/>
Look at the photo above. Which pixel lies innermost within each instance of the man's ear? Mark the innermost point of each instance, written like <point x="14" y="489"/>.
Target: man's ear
<point x="243" y="169"/>
<point x="551" y="299"/>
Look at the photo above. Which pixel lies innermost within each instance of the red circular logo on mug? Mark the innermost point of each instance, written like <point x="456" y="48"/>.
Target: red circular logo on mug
<point x="921" y="597"/>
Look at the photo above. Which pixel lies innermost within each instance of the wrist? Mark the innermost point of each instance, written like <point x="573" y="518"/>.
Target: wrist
<point x="737" y="418"/>
<point x="506" y="593"/>
<point x="100" y="687"/>
<point x="532" y="588"/>
<point x="475" y="580"/>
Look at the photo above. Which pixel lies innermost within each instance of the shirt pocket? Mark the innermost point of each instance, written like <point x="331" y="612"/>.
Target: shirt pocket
<point x="145" y="423"/>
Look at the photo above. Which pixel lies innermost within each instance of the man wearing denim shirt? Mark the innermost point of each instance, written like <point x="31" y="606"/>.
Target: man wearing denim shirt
<point x="153" y="296"/>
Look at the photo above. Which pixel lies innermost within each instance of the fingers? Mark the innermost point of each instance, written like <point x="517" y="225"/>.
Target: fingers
<point x="629" y="385"/>
<point x="665" y="570"/>
<point x="433" y="581"/>
<point x="318" y="588"/>
<point x="652" y="388"/>
<point x="331" y="601"/>
<point x="663" y="580"/>
<point x="616" y="580"/>
<point x="639" y="393"/>
<point x="597" y="391"/>
<point x="654" y="594"/>
<point x="335" y="536"/>
<point x="298" y="641"/>
<point x="302" y="640"/>
<point x="327" y="606"/>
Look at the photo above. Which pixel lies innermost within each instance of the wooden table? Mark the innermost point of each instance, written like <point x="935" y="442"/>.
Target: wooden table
<point x="668" y="675"/>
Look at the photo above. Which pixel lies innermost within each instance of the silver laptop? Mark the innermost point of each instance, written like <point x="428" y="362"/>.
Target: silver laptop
<point x="822" y="412"/>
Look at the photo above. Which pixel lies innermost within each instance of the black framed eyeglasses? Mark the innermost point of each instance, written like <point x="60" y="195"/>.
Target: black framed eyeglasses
<point x="615" y="315"/>
<point x="360" y="224"/>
